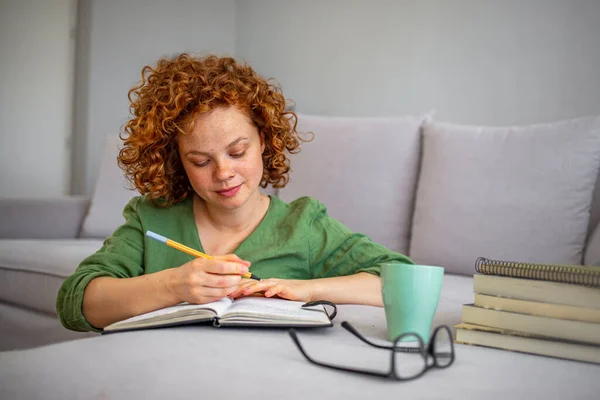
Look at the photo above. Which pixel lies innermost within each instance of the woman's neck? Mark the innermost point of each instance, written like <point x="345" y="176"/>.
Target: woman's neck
<point x="239" y="220"/>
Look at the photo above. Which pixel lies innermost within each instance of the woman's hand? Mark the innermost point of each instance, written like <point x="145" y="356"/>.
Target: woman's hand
<point x="202" y="280"/>
<point x="298" y="290"/>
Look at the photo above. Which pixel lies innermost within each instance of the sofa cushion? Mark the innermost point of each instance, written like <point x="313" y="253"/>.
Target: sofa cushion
<point x="42" y="217"/>
<point x="595" y="211"/>
<point x="111" y="194"/>
<point x="363" y="169"/>
<point x="592" y="250"/>
<point x="22" y="328"/>
<point x="31" y="271"/>
<point x="517" y="193"/>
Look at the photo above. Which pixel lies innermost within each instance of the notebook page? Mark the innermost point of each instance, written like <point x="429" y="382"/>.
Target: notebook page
<point x="269" y="307"/>
<point x="217" y="306"/>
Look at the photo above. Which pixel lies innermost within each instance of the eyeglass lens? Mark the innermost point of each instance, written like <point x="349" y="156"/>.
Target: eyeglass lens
<point x="408" y="363"/>
<point x="442" y="347"/>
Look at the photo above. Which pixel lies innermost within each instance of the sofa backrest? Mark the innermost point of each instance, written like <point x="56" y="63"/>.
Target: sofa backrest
<point x="595" y="209"/>
<point x="514" y="193"/>
<point x="365" y="170"/>
<point x="111" y="194"/>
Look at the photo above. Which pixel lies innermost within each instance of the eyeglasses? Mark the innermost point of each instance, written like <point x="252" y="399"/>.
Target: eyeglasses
<point x="407" y="361"/>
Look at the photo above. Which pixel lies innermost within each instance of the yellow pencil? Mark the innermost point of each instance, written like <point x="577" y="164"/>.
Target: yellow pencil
<point x="190" y="251"/>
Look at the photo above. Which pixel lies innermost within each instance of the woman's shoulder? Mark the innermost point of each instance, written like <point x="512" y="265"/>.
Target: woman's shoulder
<point x="305" y="206"/>
<point x="310" y="214"/>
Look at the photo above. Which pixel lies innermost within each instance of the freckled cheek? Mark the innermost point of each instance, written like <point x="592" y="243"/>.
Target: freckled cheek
<point x="254" y="167"/>
<point x="199" y="181"/>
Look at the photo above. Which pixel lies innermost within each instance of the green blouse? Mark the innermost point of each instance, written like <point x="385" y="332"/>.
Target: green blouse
<point x="293" y="241"/>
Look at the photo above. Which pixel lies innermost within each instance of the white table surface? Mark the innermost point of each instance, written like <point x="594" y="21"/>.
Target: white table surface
<point x="204" y="362"/>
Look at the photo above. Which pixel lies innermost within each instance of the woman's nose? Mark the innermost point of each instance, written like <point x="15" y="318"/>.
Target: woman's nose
<point x="224" y="171"/>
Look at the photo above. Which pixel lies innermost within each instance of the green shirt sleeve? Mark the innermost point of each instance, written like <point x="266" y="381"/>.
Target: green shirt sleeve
<point x="337" y="251"/>
<point x="121" y="256"/>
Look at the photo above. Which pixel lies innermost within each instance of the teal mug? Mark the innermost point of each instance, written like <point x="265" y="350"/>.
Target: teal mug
<point x="410" y="297"/>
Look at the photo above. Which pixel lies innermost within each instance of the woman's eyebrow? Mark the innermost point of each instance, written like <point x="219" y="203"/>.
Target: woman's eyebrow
<point x="236" y="141"/>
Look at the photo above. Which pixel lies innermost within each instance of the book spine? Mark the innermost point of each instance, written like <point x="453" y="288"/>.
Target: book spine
<point x="569" y="351"/>
<point x="540" y="291"/>
<point x="540" y="309"/>
<point x="543" y="326"/>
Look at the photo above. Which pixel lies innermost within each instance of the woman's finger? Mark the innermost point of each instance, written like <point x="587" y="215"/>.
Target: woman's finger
<point x="259" y="286"/>
<point x="224" y="267"/>
<point x="238" y="291"/>
<point x="233" y="258"/>
<point x="275" y="290"/>
<point x="221" y="281"/>
<point x="202" y="292"/>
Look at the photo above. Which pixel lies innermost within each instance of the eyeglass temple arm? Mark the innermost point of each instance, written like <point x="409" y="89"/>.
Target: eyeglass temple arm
<point x="353" y="331"/>
<point x="296" y="340"/>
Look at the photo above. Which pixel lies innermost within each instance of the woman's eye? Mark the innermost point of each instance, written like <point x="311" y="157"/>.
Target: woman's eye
<point x="238" y="155"/>
<point x="201" y="164"/>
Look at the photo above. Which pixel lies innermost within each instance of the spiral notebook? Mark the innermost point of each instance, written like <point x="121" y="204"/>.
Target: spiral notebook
<point x="563" y="273"/>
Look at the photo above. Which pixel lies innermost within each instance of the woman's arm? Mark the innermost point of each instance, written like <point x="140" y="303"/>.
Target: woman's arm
<point x="361" y="288"/>
<point x="107" y="299"/>
<point x="112" y="284"/>
<point x="344" y="265"/>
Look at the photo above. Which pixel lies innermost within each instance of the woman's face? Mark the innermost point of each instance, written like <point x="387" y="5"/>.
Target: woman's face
<point x="222" y="157"/>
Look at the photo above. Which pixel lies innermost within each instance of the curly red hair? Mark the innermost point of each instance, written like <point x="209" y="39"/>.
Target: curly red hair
<point x="169" y="97"/>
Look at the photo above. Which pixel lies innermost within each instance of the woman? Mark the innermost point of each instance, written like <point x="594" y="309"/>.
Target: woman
<point x="205" y="135"/>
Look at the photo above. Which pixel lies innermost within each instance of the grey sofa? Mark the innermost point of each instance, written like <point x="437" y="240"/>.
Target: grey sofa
<point x="442" y="193"/>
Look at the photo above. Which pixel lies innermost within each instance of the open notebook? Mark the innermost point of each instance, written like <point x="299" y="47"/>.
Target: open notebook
<point x="246" y="311"/>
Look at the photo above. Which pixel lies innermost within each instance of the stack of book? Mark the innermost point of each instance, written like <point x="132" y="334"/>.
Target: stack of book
<point x="551" y="310"/>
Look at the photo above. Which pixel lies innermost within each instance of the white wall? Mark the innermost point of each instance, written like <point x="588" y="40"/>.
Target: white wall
<point x="475" y="61"/>
<point x="118" y="38"/>
<point x="36" y="76"/>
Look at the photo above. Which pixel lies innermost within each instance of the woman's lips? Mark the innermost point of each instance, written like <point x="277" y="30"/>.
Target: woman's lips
<point x="229" y="192"/>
